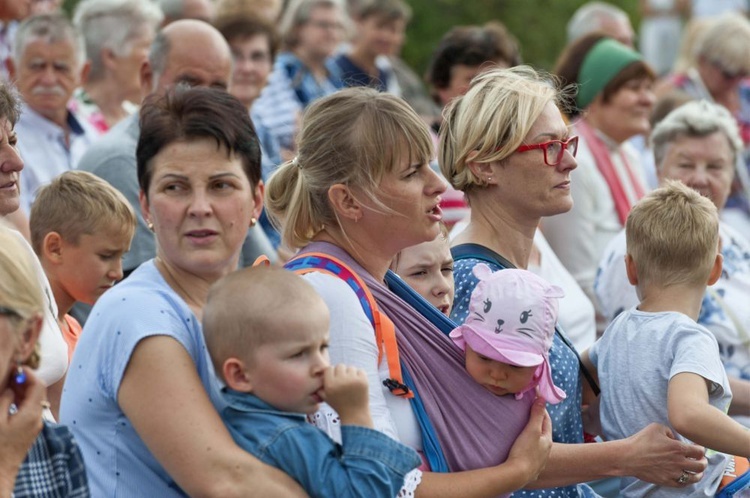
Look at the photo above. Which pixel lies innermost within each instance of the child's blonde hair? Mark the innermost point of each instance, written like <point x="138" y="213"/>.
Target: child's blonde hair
<point x="352" y="137"/>
<point x="246" y="309"/>
<point x="444" y="235"/>
<point x="78" y="203"/>
<point x="673" y="235"/>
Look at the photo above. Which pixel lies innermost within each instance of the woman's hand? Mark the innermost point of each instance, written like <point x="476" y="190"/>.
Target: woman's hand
<point x="18" y="431"/>
<point x="657" y="457"/>
<point x="532" y="447"/>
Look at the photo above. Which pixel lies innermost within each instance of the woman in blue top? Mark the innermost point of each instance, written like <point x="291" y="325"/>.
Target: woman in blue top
<point x="140" y="392"/>
<point x="505" y="145"/>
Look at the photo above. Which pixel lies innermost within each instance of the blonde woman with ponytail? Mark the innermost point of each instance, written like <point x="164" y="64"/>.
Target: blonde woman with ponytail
<point x="360" y="190"/>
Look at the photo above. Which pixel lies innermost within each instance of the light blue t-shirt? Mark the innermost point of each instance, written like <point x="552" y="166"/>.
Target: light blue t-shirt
<point x="635" y="359"/>
<point x="117" y="460"/>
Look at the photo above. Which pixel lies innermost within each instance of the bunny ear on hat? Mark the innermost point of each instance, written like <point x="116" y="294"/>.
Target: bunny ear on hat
<point x="481" y="271"/>
<point x="554" y="291"/>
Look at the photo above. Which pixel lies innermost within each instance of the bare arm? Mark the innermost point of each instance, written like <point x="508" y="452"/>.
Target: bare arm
<point x="652" y="455"/>
<point x="526" y="459"/>
<point x="694" y="418"/>
<point x="161" y="381"/>
<point x="740" y="396"/>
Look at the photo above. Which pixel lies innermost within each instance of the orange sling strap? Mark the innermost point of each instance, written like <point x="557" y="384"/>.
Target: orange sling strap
<point x="385" y="331"/>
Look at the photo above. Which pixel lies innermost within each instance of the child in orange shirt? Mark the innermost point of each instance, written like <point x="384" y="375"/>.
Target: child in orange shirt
<point x="80" y="229"/>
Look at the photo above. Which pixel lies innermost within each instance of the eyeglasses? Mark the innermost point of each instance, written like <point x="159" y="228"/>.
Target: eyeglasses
<point x="10" y="313"/>
<point x="553" y="150"/>
<point x="325" y="25"/>
<point x="728" y="74"/>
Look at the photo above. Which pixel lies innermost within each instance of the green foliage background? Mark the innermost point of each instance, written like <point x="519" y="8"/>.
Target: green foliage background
<point x="539" y="25"/>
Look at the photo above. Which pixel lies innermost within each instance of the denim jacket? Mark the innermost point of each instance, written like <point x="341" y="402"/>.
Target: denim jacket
<point x="368" y="463"/>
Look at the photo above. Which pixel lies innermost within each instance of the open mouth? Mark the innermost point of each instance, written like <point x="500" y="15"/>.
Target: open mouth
<point x="436" y="213"/>
<point x="444" y="308"/>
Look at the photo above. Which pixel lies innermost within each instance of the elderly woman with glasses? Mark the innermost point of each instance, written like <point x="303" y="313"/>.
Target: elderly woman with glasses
<point x="719" y="74"/>
<point x="613" y="105"/>
<point x="506" y="146"/>
<point x="698" y="144"/>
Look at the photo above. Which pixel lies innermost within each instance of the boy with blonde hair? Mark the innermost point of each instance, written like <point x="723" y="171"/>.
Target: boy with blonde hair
<point x="80" y="229"/>
<point x="654" y="362"/>
<point x="266" y="330"/>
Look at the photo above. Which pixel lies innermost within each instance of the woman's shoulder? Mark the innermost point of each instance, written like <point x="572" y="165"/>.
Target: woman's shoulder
<point x="143" y="292"/>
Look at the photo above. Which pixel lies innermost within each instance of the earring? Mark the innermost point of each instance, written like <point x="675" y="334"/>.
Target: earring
<point x="150" y="225"/>
<point x="20" y="376"/>
<point x="489" y="179"/>
<point x="253" y="221"/>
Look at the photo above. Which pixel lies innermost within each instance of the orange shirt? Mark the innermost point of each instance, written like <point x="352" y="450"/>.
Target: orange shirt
<point x="71" y="331"/>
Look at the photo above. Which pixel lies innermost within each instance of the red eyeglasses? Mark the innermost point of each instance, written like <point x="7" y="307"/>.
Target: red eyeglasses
<point x="554" y="149"/>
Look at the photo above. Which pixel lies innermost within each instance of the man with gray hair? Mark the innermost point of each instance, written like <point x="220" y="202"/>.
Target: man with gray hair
<point x="48" y="64"/>
<point x="602" y="17"/>
<point x="185" y="52"/>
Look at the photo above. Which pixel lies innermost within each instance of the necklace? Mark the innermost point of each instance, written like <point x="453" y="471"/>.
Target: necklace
<point x="171" y="279"/>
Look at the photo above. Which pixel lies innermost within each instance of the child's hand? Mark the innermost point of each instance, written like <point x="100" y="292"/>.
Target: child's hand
<point x="345" y="389"/>
<point x="531" y="448"/>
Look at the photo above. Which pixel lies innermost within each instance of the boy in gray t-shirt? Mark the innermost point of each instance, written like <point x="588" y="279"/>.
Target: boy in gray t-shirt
<point x="654" y="362"/>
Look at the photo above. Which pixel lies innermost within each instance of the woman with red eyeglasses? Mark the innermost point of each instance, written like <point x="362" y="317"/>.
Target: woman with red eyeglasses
<point x="506" y="145"/>
<point x="613" y="104"/>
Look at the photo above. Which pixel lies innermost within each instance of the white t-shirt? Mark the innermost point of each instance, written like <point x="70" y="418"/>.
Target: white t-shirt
<point x="352" y="342"/>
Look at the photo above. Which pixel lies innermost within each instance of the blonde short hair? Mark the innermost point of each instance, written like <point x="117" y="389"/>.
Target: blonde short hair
<point x="491" y="120"/>
<point x="352" y="137"/>
<point x="725" y="42"/>
<point x="78" y="203"/>
<point x="20" y="289"/>
<point x="246" y="309"/>
<point x="673" y="235"/>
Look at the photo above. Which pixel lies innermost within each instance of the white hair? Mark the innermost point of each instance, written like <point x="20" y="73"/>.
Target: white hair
<point x="53" y="28"/>
<point x="698" y="118"/>
<point x="591" y="16"/>
<point x="113" y="25"/>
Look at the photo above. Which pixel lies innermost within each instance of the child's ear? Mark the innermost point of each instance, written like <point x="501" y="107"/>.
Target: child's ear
<point x="52" y="247"/>
<point x="236" y="376"/>
<point x="631" y="270"/>
<point x="715" y="274"/>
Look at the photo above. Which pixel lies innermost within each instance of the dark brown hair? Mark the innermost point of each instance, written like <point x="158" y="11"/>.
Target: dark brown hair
<point x="186" y="113"/>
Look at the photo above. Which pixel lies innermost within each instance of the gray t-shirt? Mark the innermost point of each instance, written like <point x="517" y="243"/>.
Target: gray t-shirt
<point x="635" y="359"/>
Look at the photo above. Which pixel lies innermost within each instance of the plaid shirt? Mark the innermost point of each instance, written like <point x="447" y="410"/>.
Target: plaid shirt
<point x="53" y="467"/>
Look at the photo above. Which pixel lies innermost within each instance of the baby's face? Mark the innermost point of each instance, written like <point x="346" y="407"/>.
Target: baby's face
<point x="498" y="378"/>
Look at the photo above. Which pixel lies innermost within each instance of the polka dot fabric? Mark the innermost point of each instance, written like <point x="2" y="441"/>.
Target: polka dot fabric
<point x="567" y="426"/>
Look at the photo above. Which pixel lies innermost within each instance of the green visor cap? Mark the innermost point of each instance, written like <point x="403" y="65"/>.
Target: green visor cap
<point x="600" y="66"/>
